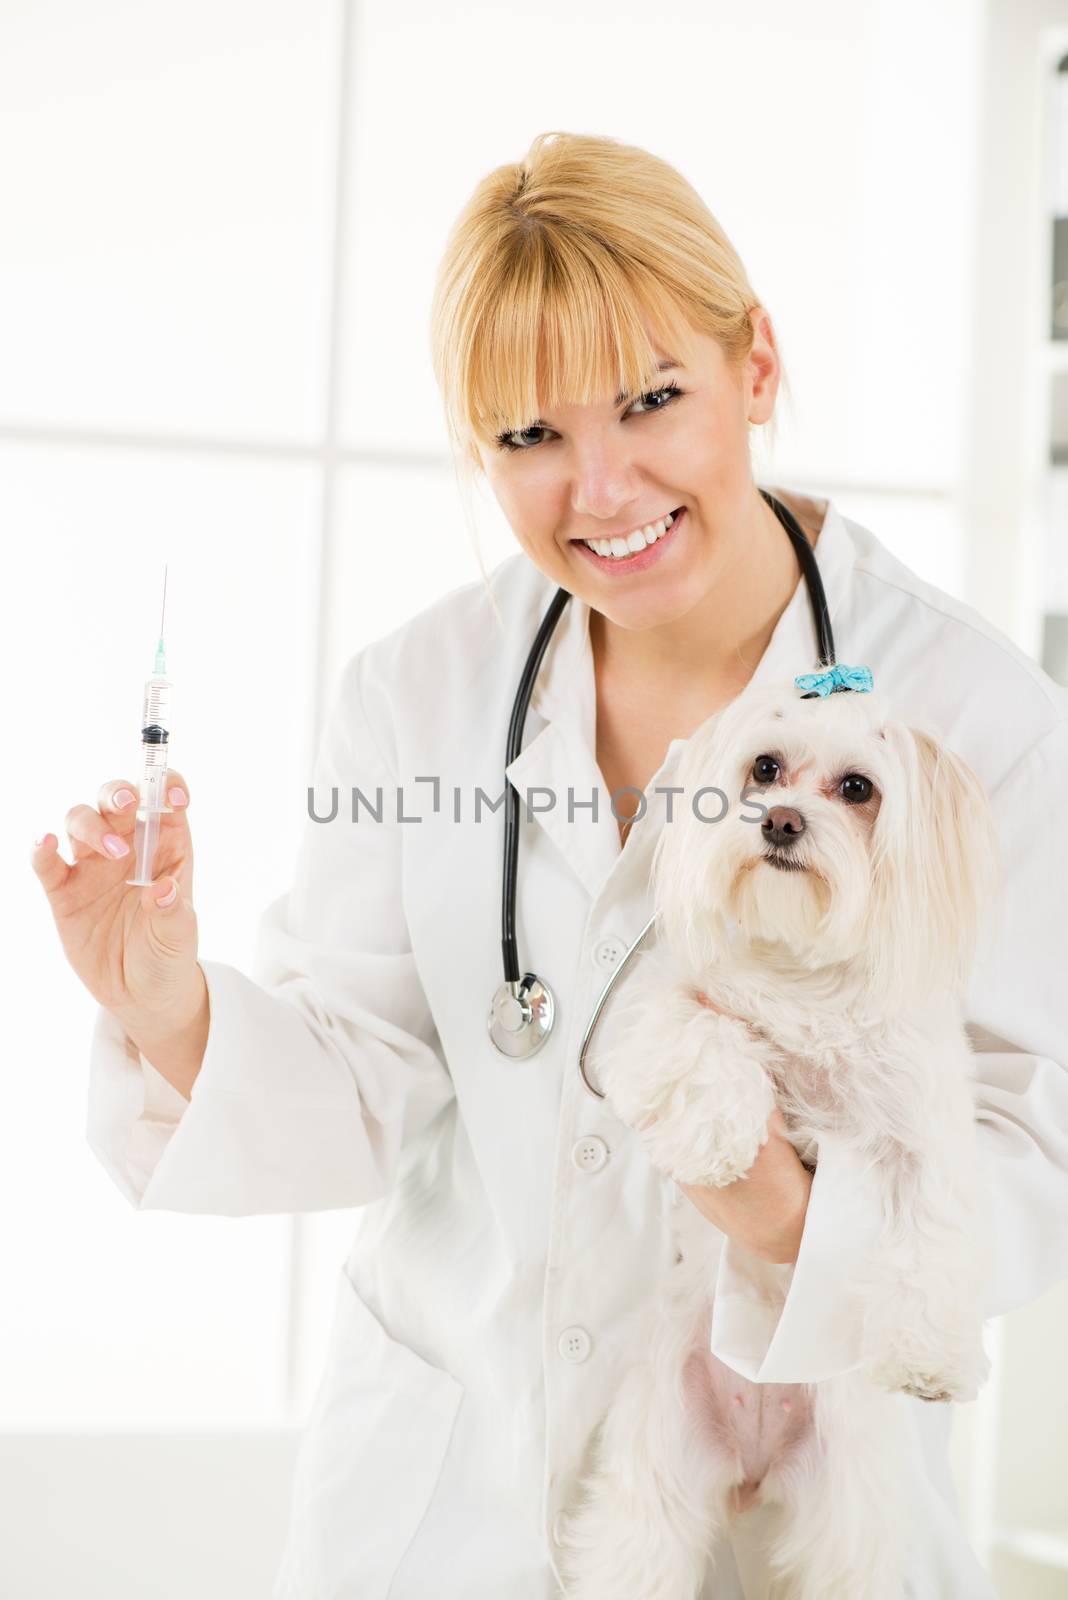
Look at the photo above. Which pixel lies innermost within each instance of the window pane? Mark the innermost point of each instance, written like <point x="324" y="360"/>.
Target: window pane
<point x="167" y="176"/>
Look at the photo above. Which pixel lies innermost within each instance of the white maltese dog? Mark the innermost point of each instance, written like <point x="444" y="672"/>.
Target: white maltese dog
<point x="833" y="914"/>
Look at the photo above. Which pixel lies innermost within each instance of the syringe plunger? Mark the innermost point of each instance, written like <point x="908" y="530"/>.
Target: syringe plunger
<point x="146" y="837"/>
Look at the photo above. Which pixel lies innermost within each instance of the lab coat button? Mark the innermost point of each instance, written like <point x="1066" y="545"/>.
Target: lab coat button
<point x="609" y="953"/>
<point x="574" y="1344"/>
<point x="590" y="1154"/>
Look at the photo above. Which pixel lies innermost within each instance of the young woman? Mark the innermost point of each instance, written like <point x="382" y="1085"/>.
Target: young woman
<point x="602" y="359"/>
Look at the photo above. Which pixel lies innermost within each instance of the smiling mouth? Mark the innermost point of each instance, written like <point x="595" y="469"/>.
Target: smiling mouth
<point x="652" y="534"/>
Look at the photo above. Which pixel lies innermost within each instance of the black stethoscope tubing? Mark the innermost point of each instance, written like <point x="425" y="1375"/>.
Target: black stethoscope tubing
<point x="529" y="983"/>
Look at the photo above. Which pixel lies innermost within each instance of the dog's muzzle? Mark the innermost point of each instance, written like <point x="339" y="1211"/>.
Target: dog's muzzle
<point x="781" y="828"/>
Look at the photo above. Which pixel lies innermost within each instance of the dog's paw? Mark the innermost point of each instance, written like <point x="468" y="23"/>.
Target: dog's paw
<point x="926" y="1387"/>
<point x="717" y="1171"/>
<point x="930" y="1379"/>
<point x="900" y="1380"/>
<point x="684" y="1148"/>
<point x="921" y="1341"/>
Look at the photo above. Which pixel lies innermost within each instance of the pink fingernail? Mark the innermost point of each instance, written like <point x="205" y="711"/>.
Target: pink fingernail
<point x="177" y="797"/>
<point x="168" y="898"/>
<point x="115" y="846"/>
<point x="122" y="797"/>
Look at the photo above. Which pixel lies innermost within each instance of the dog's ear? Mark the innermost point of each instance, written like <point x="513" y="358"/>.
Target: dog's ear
<point x="686" y="870"/>
<point x="935" y="868"/>
<point x="688" y="893"/>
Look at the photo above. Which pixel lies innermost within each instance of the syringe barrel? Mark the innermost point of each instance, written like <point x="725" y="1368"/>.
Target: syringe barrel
<point x="154" y="778"/>
<point x="156" y="705"/>
<point x="155" y="732"/>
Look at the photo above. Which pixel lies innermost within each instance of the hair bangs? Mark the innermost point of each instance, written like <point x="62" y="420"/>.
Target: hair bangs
<point x="567" y="277"/>
<point x="567" y="327"/>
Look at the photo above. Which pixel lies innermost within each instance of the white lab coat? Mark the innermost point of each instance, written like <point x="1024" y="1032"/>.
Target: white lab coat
<point x="508" y="1220"/>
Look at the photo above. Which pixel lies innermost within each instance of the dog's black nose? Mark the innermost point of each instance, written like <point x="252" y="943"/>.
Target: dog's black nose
<point x="782" y="825"/>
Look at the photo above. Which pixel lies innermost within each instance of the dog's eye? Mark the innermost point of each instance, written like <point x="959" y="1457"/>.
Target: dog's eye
<point x="855" y="788"/>
<point x="765" y="769"/>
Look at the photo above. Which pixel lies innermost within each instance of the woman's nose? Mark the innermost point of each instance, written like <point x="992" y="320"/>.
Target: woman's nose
<point x="604" y="483"/>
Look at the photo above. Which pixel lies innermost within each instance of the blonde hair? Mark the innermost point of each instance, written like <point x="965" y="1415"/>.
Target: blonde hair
<point x="549" y="274"/>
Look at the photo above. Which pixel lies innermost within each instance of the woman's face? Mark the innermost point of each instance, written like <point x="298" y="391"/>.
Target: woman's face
<point x="604" y="471"/>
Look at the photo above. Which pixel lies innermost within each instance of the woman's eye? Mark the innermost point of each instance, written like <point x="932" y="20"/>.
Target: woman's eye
<point x="670" y="390"/>
<point x="506" y="441"/>
<point x="765" y="769"/>
<point x="855" y="788"/>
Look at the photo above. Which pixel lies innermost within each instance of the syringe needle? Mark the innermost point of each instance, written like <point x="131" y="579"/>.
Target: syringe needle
<point x="163" y="608"/>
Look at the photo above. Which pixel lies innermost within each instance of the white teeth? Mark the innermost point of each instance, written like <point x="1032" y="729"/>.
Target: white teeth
<point x="633" y="542"/>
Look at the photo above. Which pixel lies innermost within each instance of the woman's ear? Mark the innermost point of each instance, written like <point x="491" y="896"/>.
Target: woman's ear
<point x="935" y="868"/>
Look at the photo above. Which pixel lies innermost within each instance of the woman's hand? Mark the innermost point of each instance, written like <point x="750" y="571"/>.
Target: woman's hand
<point x="136" y="955"/>
<point x="764" y="1212"/>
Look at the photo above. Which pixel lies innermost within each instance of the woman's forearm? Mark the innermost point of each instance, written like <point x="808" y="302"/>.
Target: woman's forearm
<point x="175" y="1043"/>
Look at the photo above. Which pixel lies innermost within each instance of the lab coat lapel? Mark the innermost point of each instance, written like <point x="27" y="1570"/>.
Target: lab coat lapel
<point x="558" y="772"/>
<point x="561" y="759"/>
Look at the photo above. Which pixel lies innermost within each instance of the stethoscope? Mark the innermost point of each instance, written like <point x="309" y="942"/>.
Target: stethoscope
<point x="523" y="1010"/>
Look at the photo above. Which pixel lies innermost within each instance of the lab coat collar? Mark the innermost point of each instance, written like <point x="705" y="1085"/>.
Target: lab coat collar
<point x="561" y="757"/>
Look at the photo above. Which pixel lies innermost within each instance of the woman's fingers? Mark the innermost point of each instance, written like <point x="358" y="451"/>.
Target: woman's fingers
<point x="92" y="833"/>
<point x="118" y="799"/>
<point x="177" y="795"/>
<point x="117" y="803"/>
<point x="107" y="830"/>
<point x="48" y="864"/>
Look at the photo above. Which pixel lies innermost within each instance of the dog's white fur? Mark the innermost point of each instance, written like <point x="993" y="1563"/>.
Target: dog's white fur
<point x="850" y="976"/>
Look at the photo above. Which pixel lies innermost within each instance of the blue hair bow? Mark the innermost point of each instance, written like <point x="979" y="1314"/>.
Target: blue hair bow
<point x="834" y="681"/>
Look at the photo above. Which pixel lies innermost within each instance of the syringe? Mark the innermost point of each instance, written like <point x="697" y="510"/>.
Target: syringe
<point x="155" y="732"/>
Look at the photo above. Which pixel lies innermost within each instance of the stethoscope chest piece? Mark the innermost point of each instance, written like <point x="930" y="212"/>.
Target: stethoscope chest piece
<point x="521" y="1016"/>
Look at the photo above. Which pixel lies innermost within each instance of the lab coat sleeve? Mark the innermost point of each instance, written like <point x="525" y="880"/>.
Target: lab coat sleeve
<point x="794" y="1322"/>
<point x="319" y="1067"/>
